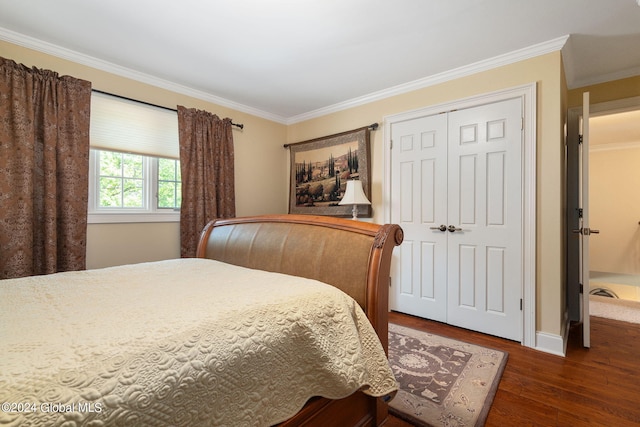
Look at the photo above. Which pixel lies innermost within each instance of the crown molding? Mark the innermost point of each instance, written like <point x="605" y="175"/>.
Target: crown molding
<point x="90" y="61"/>
<point x="467" y="70"/>
<point x="488" y="64"/>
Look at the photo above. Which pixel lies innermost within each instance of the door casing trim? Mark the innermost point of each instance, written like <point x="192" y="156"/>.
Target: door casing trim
<point x="527" y="94"/>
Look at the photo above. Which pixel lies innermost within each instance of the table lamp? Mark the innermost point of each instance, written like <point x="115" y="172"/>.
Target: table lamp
<point x="354" y="195"/>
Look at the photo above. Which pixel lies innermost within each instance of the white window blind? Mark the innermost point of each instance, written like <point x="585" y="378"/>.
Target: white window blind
<point x="134" y="127"/>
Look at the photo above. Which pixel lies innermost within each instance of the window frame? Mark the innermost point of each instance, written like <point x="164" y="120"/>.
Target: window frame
<point x="149" y="213"/>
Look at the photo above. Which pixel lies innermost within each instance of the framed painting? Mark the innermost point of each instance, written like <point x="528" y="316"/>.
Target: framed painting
<point x="320" y="169"/>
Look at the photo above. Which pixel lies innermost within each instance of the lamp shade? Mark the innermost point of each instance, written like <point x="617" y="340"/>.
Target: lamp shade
<point x="354" y="194"/>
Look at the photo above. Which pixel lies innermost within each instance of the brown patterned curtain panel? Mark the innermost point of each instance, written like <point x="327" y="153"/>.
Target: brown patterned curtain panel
<point x="44" y="161"/>
<point x="207" y="167"/>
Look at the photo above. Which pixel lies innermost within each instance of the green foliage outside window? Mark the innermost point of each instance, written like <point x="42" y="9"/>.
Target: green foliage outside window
<point x="169" y="184"/>
<point x="121" y="180"/>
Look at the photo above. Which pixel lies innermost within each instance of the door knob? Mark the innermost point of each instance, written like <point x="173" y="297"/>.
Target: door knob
<point x="586" y="231"/>
<point x="441" y="228"/>
<point x="453" y="228"/>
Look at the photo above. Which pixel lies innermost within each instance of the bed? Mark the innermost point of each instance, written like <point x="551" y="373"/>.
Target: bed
<point x="280" y="320"/>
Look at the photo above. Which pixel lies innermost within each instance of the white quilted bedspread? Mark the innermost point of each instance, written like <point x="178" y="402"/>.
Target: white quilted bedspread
<point x="179" y="343"/>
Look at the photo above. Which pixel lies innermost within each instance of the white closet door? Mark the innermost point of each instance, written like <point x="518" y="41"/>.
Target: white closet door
<point x="456" y="186"/>
<point x="485" y="216"/>
<point x="419" y="206"/>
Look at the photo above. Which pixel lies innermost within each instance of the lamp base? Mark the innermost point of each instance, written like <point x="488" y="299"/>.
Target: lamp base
<point x="354" y="212"/>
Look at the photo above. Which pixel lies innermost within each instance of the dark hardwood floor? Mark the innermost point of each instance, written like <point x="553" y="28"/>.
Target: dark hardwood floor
<point x="599" y="386"/>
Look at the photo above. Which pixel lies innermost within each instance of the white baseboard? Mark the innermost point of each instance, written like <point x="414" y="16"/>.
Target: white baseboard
<point x="551" y="343"/>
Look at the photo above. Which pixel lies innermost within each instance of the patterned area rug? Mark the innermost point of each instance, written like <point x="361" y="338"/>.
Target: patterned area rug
<point x="443" y="382"/>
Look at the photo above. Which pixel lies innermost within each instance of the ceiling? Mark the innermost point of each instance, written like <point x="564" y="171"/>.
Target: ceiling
<point x="288" y="60"/>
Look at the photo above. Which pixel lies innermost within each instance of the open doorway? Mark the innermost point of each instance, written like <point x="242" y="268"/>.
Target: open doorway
<point x="615" y="260"/>
<point x="614" y="203"/>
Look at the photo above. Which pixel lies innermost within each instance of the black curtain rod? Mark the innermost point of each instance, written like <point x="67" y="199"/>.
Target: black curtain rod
<point x="239" y="125"/>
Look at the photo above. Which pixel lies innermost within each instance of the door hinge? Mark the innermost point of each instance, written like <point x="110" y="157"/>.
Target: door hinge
<point x="520" y="304"/>
<point x="580" y="212"/>
<point x="581" y="288"/>
<point x="391" y="144"/>
<point x="579" y="139"/>
<point x="389" y="281"/>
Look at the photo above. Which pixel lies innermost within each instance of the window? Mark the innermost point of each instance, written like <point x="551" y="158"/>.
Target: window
<point x="120" y="180"/>
<point x="134" y="173"/>
<point x="127" y="187"/>
<point x="169" y="184"/>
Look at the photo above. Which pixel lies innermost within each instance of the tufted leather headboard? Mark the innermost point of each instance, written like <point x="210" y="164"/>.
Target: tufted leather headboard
<point x="351" y="255"/>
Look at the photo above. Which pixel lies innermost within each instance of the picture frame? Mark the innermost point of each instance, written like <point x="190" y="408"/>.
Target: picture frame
<point x="320" y="169"/>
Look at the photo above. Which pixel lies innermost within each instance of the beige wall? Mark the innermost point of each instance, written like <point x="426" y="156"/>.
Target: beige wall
<point x="546" y="71"/>
<point x="263" y="189"/>
<point x="613" y="175"/>
<point x="260" y="164"/>
<point x="564" y="100"/>
<point x="615" y="208"/>
<point x="604" y="92"/>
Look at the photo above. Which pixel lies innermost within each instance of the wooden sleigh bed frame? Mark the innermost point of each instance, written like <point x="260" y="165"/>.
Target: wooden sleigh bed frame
<point x="350" y="255"/>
